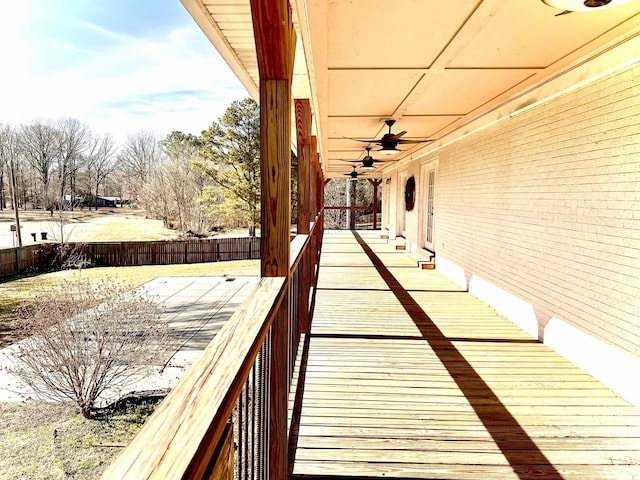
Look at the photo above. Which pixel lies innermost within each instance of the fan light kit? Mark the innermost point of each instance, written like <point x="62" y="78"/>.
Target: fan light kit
<point x="389" y="151"/>
<point x="583" y="5"/>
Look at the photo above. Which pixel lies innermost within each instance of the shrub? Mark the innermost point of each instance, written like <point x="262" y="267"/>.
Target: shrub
<point x="84" y="338"/>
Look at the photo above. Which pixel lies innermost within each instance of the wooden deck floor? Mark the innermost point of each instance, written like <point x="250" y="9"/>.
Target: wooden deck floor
<point x="408" y="376"/>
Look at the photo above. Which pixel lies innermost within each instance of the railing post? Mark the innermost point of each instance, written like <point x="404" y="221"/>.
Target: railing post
<point x="275" y="46"/>
<point x="222" y="467"/>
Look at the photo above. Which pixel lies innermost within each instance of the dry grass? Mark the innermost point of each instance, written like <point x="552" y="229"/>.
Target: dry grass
<point x="45" y="216"/>
<point x="121" y="227"/>
<point x="16" y="290"/>
<point x="52" y="441"/>
<point x="29" y="449"/>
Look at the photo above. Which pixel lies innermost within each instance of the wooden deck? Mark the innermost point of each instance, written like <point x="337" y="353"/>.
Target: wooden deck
<point x="407" y="376"/>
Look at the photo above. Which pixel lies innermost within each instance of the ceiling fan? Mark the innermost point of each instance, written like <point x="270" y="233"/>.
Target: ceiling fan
<point x="390" y="141"/>
<point x="367" y="161"/>
<point x="570" y="6"/>
<point x="354" y="175"/>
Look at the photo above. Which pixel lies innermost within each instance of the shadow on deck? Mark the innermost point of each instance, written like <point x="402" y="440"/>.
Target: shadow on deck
<point x="407" y="376"/>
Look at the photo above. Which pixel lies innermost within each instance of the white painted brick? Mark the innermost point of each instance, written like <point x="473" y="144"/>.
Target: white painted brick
<point x="546" y="206"/>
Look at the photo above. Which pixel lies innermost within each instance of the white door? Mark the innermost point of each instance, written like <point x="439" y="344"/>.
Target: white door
<point x="386" y="194"/>
<point x="428" y="175"/>
<point x="402" y="215"/>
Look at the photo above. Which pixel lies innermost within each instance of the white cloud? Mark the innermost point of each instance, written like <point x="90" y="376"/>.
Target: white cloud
<point x="123" y="84"/>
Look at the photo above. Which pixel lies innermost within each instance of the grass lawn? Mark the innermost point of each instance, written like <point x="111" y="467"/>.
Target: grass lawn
<point x="15" y="290"/>
<point x="52" y="440"/>
<point x="117" y="228"/>
<point x="44" y="215"/>
<point x="107" y="225"/>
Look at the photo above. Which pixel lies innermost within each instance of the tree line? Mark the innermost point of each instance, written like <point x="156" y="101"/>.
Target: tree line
<point x="192" y="183"/>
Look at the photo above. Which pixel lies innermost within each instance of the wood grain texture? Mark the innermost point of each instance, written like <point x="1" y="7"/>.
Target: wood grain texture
<point x="305" y="169"/>
<point x="178" y="440"/>
<point x="223" y="467"/>
<point x="419" y="379"/>
<point x="317" y="190"/>
<point x="275" y="38"/>
<point x="278" y="438"/>
<point x="305" y="163"/>
<point x="275" y="172"/>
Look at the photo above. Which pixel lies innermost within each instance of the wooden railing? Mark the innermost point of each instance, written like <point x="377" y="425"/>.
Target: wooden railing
<point x="226" y="396"/>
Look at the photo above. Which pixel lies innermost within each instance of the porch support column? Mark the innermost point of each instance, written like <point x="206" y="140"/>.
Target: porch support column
<point x="315" y="206"/>
<point x="305" y="170"/>
<point x="375" y="184"/>
<point x="275" y="48"/>
<point x="305" y="163"/>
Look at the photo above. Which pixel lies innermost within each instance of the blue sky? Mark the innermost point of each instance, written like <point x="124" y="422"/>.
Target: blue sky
<point x="119" y="65"/>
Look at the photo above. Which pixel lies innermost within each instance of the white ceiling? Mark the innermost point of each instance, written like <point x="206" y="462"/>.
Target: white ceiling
<point x="432" y="66"/>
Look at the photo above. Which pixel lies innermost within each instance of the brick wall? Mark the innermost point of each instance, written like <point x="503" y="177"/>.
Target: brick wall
<point x="546" y="206"/>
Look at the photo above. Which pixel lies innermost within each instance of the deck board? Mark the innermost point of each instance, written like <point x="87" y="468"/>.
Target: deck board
<point x="407" y="376"/>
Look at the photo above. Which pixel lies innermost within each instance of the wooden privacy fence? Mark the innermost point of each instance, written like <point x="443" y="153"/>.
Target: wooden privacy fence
<point x="23" y="259"/>
<point x="119" y="254"/>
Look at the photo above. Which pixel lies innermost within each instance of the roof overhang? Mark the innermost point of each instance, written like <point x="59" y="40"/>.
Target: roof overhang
<point x="440" y="69"/>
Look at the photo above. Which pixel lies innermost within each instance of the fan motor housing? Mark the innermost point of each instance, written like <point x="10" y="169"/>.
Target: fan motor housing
<point x="583" y="5"/>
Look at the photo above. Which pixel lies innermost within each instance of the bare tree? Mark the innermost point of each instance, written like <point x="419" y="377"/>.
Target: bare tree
<point x="184" y="181"/>
<point x="73" y="139"/>
<point x="101" y="163"/>
<point x="85" y="339"/>
<point x="39" y="143"/>
<point x="156" y="196"/>
<point x="8" y="153"/>
<point x="3" y="168"/>
<point x="345" y="193"/>
<point x="138" y="157"/>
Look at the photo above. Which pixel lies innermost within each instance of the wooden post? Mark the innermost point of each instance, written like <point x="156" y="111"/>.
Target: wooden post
<point x="305" y="163"/>
<point x="375" y="184"/>
<point x="222" y="467"/>
<point x="315" y="207"/>
<point x="275" y="47"/>
<point x="305" y="169"/>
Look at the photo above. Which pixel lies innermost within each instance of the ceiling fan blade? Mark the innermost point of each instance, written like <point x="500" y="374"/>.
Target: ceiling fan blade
<point x="405" y="141"/>
<point x="566" y="12"/>
<point x="398" y="135"/>
<point x="363" y="140"/>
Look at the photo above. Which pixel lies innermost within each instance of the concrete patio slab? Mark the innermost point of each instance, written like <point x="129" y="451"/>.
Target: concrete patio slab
<point x="195" y="307"/>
